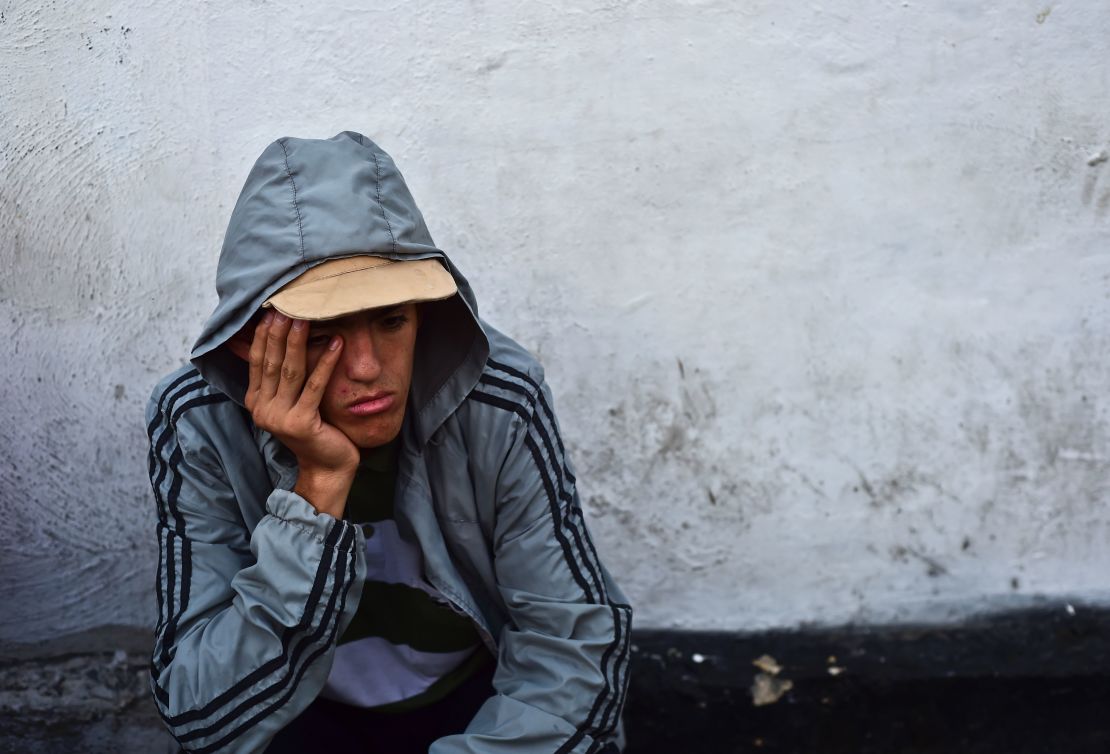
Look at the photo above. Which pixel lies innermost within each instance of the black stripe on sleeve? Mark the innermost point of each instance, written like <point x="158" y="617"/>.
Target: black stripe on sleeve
<point x="176" y="457"/>
<point x="162" y="607"/>
<point x="162" y="399"/>
<point x="322" y="571"/>
<point x="557" y="517"/>
<point x="188" y="374"/>
<point x="170" y="626"/>
<point x="606" y="690"/>
<point x="610" y="696"/>
<point x="501" y="403"/>
<point x="171" y="579"/>
<point x="549" y="488"/>
<point x="169" y="630"/>
<point x="544" y="405"/>
<point x="173" y="467"/>
<point x="565" y="481"/>
<point x="611" y="716"/>
<point x="577" y="530"/>
<point x="615" y="691"/>
<point x="534" y="396"/>
<point x="524" y="376"/>
<point x="157" y="459"/>
<point x="158" y="449"/>
<point x="345" y="574"/>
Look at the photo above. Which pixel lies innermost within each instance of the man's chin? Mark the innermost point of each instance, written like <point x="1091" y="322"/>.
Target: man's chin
<point x="369" y="431"/>
<point x="366" y="438"/>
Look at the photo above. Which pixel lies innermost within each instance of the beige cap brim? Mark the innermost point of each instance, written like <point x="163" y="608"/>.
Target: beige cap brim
<point x="340" y="287"/>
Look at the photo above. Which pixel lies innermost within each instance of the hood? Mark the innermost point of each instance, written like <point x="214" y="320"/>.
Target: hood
<point x="310" y="200"/>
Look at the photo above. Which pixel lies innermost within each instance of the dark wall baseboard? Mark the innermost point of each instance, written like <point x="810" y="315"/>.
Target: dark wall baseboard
<point x="1028" y="682"/>
<point x="1035" y="681"/>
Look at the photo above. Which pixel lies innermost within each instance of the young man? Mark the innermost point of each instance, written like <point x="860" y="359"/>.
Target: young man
<point x="369" y="534"/>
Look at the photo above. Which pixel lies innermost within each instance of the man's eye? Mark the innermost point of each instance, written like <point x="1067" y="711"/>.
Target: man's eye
<point x="396" y="322"/>
<point x="318" y="341"/>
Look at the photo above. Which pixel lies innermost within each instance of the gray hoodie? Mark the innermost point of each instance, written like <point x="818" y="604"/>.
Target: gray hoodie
<point x="254" y="586"/>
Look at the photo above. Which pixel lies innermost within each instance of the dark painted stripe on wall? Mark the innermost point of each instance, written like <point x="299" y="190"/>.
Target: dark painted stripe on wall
<point x="1034" y="681"/>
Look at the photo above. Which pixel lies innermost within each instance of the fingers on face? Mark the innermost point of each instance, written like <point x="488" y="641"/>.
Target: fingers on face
<point x="258" y="354"/>
<point x="274" y="357"/>
<point x="293" y="364"/>
<point x="317" y="382"/>
<point x="278" y="367"/>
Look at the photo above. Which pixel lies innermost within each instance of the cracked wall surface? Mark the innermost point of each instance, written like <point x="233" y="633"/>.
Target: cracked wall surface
<point x="822" y="296"/>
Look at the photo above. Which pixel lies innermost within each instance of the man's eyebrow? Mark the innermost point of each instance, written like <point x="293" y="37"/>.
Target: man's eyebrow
<point x="372" y="314"/>
<point x="385" y="311"/>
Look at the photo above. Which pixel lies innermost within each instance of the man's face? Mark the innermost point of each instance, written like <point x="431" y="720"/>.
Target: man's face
<point x="368" y="391"/>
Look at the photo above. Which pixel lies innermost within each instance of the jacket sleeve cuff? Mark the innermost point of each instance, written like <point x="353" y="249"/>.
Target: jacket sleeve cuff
<point x="291" y="508"/>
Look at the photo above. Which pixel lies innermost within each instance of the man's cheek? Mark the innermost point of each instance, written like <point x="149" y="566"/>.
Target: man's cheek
<point x="331" y="415"/>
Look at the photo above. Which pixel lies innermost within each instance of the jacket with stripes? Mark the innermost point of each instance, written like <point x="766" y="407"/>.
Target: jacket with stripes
<point x="254" y="586"/>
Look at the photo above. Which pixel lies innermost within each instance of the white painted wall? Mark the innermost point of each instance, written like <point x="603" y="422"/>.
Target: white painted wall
<point x="822" y="291"/>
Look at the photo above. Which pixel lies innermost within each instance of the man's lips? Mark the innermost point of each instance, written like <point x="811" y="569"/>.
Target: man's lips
<point x="371" y="404"/>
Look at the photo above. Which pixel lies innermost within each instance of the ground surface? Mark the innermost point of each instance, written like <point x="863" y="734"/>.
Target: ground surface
<point x="1036" y="682"/>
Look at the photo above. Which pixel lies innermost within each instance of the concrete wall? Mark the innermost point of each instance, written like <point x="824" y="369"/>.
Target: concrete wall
<point x="822" y="293"/>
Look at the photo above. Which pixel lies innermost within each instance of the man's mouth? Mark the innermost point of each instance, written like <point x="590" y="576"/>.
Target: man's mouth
<point x="371" y="404"/>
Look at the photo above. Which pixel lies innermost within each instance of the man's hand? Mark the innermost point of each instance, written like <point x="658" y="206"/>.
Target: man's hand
<point x="284" y="403"/>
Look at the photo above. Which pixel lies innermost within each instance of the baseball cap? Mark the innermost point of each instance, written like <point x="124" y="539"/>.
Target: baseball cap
<point x="339" y="287"/>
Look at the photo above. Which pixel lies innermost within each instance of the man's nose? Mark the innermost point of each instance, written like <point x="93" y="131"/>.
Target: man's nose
<point x="360" y="355"/>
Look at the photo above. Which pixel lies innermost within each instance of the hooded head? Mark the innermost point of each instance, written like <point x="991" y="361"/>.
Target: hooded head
<point x="310" y="201"/>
